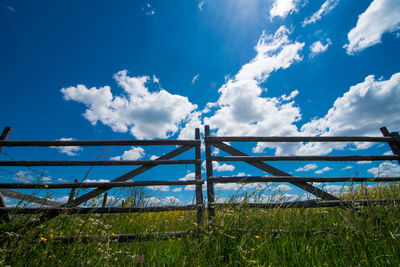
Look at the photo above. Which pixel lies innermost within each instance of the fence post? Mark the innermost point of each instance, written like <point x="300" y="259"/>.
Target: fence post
<point x="104" y="200"/>
<point x="394" y="145"/>
<point x="72" y="193"/>
<point x="209" y="173"/>
<point x="199" y="187"/>
<point x="4" y="135"/>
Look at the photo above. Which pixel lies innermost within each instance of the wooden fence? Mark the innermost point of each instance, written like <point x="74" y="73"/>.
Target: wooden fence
<point x="101" y="187"/>
<point x="325" y="199"/>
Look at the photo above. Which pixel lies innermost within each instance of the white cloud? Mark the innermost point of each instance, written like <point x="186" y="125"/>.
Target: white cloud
<point x="154" y="157"/>
<point x="69" y="150"/>
<point x="153" y="201"/>
<point x="144" y="113"/>
<point x="282" y="8"/>
<point x="134" y="153"/>
<point x="364" y="162"/>
<point x="96" y="181"/>
<point x="386" y="169"/>
<point x="347" y="168"/>
<point x="318" y="48"/>
<point x="224" y="167"/>
<point x="178" y="189"/>
<point x="242" y="109"/>
<point x="63" y="199"/>
<point x="336" y="189"/>
<point x="325" y="169"/>
<point x="292" y="95"/>
<point x="380" y="17"/>
<point x="326" y="7"/>
<point x="195" y="78"/>
<point x="201" y="4"/>
<point x="307" y="167"/>
<point x="164" y="188"/>
<point x="155" y="79"/>
<point x="361" y="111"/>
<point x="283" y="188"/>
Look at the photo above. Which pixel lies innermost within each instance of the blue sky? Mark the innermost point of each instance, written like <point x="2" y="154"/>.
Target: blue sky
<point x="158" y="69"/>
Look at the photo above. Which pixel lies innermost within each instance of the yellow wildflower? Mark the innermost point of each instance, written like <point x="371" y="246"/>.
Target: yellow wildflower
<point x="257" y="236"/>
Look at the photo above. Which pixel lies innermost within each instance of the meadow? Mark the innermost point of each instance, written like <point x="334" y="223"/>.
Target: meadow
<point x="237" y="236"/>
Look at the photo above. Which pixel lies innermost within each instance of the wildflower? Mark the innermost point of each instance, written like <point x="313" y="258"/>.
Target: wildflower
<point x="209" y="227"/>
<point x="139" y="259"/>
<point x="257" y="236"/>
<point x="80" y="225"/>
<point x="51" y="235"/>
<point x="43" y="239"/>
<point x="252" y="249"/>
<point x="112" y="234"/>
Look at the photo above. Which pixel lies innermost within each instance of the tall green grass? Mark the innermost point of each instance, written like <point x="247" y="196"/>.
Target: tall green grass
<point x="238" y="236"/>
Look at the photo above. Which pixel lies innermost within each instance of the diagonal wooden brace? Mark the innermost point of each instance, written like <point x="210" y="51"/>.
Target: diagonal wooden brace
<point x="276" y="172"/>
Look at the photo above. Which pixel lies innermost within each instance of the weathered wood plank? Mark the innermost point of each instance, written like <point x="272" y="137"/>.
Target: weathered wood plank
<point x="286" y="179"/>
<point x="29" y="198"/>
<point x="4" y="135"/>
<point x="199" y="181"/>
<point x="209" y="173"/>
<point x="94" y="162"/>
<point x="306" y="158"/>
<point x="212" y="139"/>
<point x="100" y="143"/>
<point x="312" y="203"/>
<point x="96" y="210"/>
<point x="96" y="184"/>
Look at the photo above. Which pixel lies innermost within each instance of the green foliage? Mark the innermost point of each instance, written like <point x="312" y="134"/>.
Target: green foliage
<point x="238" y="236"/>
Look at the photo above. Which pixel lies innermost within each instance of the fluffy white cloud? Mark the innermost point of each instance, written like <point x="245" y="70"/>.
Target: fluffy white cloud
<point x="283" y="188"/>
<point x="69" y="150"/>
<point x="242" y="109"/>
<point x="96" y="181"/>
<point x="326" y="7"/>
<point x="336" y="189"/>
<point x="145" y="114"/>
<point x="386" y="169"/>
<point x="380" y="17"/>
<point x="153" y="201"/>
<point x="347" y="168"/>
<point x="134" y="153"/>
<point x="195" y="78"/>
<point x="325" y="169"/>
<point x="164" y="188"/>
<point x="317" y="47"/>
<point x="306" y="168"/>
<point x="364" y="162"/>
<point x="362" y="110"/>
<point x="282" y="8"/>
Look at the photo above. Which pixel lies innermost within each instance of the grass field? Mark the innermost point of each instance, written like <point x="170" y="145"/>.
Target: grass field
<point x="239" y="236"/>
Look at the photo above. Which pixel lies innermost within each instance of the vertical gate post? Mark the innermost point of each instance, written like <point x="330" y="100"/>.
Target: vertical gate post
<point x="199" y="187"/>
<point x="4" y="135"/>
<point x="72" y="193"/>
<point x="209" y="172"/>
<point x="104" y="200"/>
